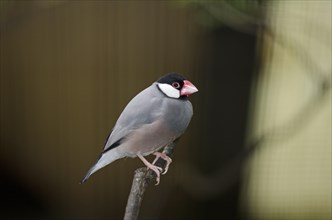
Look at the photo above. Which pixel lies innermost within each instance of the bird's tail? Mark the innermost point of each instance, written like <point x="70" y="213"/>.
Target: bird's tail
<point x="92" y="170"/>
<point x="105" y="159"/>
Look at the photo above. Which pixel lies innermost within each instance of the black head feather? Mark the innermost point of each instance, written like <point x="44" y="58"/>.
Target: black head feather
<point x="171" y="78"/>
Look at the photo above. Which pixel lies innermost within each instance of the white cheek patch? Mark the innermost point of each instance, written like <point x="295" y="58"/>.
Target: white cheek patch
<point x="169" y="90"/>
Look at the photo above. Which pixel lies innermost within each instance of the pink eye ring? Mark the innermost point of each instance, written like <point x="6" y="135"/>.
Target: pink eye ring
<point x="176" y="85"/>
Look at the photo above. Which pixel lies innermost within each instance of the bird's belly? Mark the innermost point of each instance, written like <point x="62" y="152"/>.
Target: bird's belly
<point x="148" y="139"/>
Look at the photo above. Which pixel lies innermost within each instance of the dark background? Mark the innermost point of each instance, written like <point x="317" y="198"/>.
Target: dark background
<point x="67" y="71"/>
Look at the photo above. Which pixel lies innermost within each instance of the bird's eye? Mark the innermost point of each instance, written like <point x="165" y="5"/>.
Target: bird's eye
<point x="176" y="85"/>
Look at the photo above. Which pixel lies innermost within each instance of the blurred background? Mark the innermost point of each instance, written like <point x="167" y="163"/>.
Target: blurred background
<point x="258" y="146"/>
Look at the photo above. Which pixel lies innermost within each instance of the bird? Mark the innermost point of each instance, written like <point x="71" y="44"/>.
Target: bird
<point x="154" y="118"/>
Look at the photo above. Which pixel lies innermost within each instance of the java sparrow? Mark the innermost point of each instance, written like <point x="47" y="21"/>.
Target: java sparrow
<point x="154" y="118"/>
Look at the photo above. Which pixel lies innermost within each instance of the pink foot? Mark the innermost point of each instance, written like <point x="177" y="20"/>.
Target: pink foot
<point x="164" y="157"/>
<point x="154" y="168"/>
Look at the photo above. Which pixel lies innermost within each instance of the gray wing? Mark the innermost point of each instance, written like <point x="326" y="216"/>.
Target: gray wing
<point x="143" y="109"/>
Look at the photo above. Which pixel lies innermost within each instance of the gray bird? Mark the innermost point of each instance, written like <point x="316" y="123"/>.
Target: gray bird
<point x="153" y="119"/>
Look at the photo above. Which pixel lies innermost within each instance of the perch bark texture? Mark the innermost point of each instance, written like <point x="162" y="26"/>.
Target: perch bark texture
<point x="142" y="179"/>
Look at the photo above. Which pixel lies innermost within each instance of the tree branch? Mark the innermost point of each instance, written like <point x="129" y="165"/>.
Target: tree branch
<point x="142" y="179"/>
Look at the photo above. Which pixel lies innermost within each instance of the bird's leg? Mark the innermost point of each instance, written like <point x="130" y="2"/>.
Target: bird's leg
<point x="155" y="168"/>
<point x="164" y="157"/>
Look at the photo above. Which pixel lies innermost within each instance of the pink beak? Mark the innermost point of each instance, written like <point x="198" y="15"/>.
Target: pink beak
<point x="188" y="88"/>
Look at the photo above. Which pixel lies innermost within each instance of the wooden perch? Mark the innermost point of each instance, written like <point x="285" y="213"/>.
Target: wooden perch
<point x="142" y="179"/>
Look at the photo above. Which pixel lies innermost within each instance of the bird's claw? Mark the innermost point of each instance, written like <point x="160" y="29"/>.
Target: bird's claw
<point x="152" y="167"/>
<point x="164" y="157"/>
<point x="157" y="170"/>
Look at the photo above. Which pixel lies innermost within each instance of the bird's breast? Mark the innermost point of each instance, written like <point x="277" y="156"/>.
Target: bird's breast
<point x="178" y="114"/>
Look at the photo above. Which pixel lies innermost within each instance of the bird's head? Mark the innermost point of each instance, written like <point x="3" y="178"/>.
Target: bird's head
<point x="176" y="86"/>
